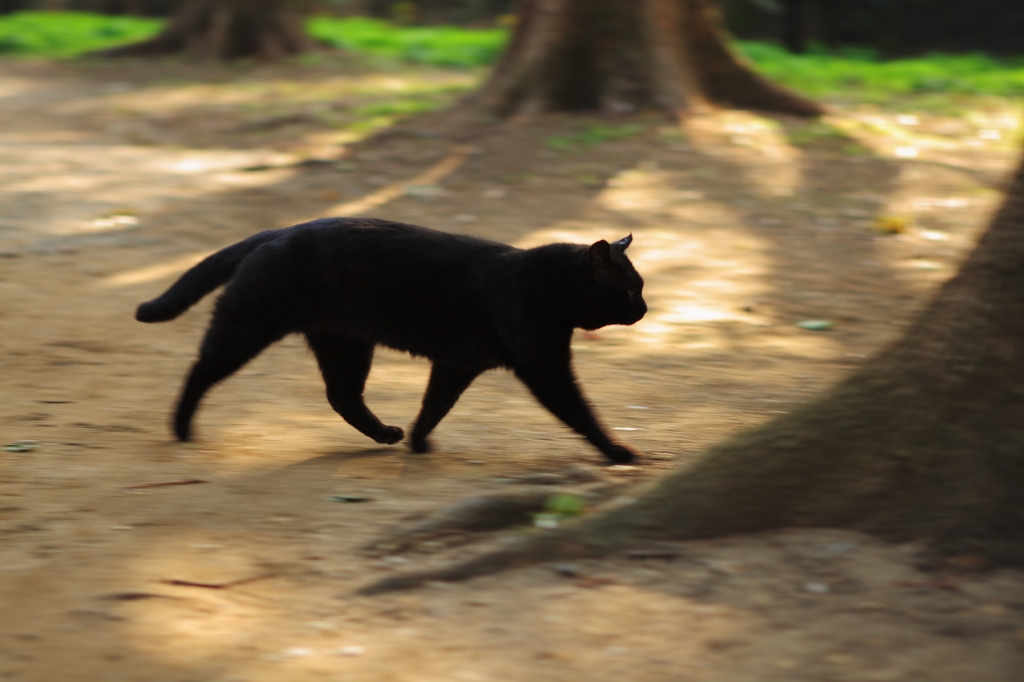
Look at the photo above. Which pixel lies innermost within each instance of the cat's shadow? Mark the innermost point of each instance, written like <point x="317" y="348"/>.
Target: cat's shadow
<point x="341" y="456"/>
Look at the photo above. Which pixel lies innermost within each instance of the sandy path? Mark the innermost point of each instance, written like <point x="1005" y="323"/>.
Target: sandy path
<point x="739" y="235"/>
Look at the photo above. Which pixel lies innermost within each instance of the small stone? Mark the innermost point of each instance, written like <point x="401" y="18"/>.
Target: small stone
<point x="545" y="520"/>
<point x="298" y="652"/>
<point x="566" y="570"/>
<point x="817" y="588"/>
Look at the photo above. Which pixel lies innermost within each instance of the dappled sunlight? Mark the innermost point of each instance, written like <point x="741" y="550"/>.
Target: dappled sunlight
<point x="169" y="98"/>
<point x="760" y="140"/>
<point x="603" y="631"/>
<point x="151" y="273"/>
<point x="14" y="86"/>
<point x="745" y="228"/>
<point x="427" y="179"/>
<point x="119" y="180"/>
<point x="701" y="284"/>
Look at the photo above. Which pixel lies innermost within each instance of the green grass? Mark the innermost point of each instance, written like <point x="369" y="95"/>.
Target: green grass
<point x="593" y="135"/>
<point x="438" y="46"/>
<point x="851" y="71"/>
<point x="68" y="34"/>
<point x="859" y="72"/>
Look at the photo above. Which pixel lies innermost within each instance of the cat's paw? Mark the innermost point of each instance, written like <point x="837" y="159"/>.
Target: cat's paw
<point x="620" y="454"/>
<point x="183" y="431"/>
<point x="391" y="435"/>
<point x="419" y="444"/>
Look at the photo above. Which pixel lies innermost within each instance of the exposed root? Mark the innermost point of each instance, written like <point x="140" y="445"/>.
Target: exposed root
<point x="567" y="543"/>
<point x="482" y="514"/>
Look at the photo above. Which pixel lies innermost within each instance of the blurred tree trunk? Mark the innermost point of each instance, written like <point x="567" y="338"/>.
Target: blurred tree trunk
<point x="226" y="29"/>
<point x="925" y="442"/>
<point x="624" y="55"/>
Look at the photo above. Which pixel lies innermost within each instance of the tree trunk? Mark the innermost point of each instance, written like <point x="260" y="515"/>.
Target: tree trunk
<point x="624" y="55"/>
<point x="225" y="30"/>
<point x="925" y="442"/>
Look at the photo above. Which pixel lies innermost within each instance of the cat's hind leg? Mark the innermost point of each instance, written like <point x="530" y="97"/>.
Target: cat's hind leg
<point x="345" y="364"/>
<point x="226" y="347"/>
<point x="443" y="390"/>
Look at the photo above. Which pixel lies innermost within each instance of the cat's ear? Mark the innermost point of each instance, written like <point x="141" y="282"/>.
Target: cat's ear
<point x="600" y="255"/>
<point x="623" y="243"/>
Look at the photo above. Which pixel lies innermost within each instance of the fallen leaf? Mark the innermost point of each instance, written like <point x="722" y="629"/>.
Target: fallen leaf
<point x="21" y="446"/>
<point x="816" y="325"/>
<point x="891" y="224"/>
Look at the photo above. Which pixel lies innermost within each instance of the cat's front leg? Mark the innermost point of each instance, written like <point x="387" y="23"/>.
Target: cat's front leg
<point x="446" y="384"/>
<point x="555" y="386"/>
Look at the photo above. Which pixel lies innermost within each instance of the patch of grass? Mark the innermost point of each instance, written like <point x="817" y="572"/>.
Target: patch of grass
<point x="814" y="132"/>
<point x="860" y="72"/>
<point x="823" y="136"/>
<point x="399" y="107"/>
<point x="591" y="136"/>
<point x="438" y="46"/>
<point x="370" y="117"/>
<point x="68" y="34"/>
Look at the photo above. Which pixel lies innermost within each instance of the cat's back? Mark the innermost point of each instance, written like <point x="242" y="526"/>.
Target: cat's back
<point x="397" y="244"/>
<point x="405" y="286"/>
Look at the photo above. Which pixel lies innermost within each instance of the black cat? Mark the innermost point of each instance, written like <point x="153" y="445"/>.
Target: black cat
<point x="467" y="304"/>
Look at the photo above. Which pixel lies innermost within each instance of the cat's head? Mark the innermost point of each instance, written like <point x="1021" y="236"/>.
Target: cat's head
<point x="614" y="290"/>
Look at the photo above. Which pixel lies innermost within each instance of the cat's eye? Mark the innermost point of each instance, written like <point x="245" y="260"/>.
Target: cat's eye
<point x="631" y="292"/>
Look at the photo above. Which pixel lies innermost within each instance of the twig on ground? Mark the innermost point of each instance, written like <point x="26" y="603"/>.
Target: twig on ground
<point x="161" y="484"/>
<point x="217" y="586"/>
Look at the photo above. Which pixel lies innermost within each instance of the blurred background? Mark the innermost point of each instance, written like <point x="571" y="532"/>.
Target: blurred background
<point x="884" y="27"/>
<point x="779" y="252"/>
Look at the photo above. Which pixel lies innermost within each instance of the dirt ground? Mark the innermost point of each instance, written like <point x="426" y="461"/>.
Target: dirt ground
<point x="115" y="178"/>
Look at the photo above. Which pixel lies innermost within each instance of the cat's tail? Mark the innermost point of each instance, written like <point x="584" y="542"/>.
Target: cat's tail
<point x="201" y="280"/>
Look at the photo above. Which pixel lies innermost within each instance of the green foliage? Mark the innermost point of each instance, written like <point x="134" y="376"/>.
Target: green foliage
<point x="401" y="107"/>
<point x="565" y="505"/>
<point x="67" y="34"/>
<point x="558" y="508"/>
<point x="853" y="70"/>
<point x="860" y="71"/>
<point x="594" y="134"/>
<point x="438" y="46"/>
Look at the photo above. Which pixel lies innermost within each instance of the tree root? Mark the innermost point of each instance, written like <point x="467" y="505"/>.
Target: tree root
<point x="561" y="543"/>
<point x="484" y="513"/>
